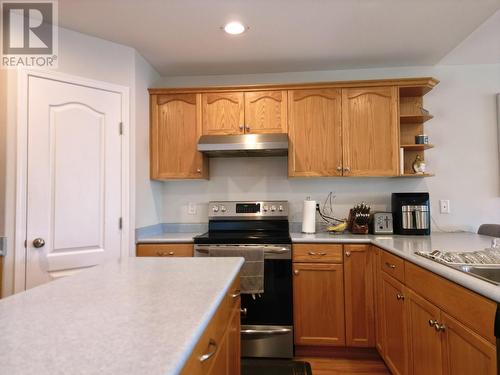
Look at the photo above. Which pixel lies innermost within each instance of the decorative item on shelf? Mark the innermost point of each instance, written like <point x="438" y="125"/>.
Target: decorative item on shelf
<point x="422" y="139"/>
<point x="359" y="217"/>
<point x="419" y="165"/>
<point x="424" y="111"/>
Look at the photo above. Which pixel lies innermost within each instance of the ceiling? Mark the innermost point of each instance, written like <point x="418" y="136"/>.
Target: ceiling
<point x="183" y="37"/>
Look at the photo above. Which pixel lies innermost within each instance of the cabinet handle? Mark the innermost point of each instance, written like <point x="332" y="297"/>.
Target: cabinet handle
<point x="247" y="128"/>
<point x="400" y="297"/>
<point x="339" y="168"/>
<point x="198" y="170"/>
<point x="208" y="355"/>
<point x="243" y="311"/>
<point x="236" y="294"/>
<point x="432" y="322"/>
<point x="314" y="253"/>
<point x="242" y="127"/>
<point x="347" y="169"/>
<point x="347" y="253"/>
<point x="164" y="253"/>
<point x="296" y="272"/>
<point x="391" y="266"/>
<point x="439" y="327"/>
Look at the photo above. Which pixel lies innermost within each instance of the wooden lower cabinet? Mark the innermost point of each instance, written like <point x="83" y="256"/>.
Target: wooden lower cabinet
<point x="425" y="339"/>
<point x="430" y="325"/>
<point x="220" y="342"/>
<point x="464" y="351"/>
<point x="318" y="300"/>
<point x="165" y="250"/>
<point x="359" y="303"/>
<point x="394" y="325"/>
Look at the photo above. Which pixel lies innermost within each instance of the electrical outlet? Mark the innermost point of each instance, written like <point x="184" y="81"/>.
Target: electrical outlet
<point x="444" y="206"/>
<point x="191" y="208"/>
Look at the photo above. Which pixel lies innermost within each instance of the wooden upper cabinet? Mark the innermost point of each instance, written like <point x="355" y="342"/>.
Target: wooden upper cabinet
<point x="266" y="112"/>
<point x="318" y="304"/>
<point x="358" y="281"/>
<point x="424" y="339"/>
<point x="223" y="113"/>
<point x="370" y="131"/>
<point x="315" y="131"/>
<point x="175" y="129"/>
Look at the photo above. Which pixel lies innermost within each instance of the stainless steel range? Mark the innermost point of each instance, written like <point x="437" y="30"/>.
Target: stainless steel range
<point x="267" y="321"/>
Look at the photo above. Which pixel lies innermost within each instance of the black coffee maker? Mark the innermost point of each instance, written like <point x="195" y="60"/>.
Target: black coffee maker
<point x="412" y="213"/>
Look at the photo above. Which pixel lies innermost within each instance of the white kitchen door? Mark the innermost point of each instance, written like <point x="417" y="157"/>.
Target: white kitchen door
<point x="73" y="178"/>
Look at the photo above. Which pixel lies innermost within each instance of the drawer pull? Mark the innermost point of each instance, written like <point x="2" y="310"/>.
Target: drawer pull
<point x="208" y="355"/>
<point x="165" y="253"/>
<point x="347" y="253"/>
<point x="400" y="297"/>
<point x="315" y="253"/>
<point x="391" y="266"/>
<point x="236" y="294"/>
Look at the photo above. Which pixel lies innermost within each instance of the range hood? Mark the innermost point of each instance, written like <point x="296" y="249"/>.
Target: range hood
<point x="244" y="145"/>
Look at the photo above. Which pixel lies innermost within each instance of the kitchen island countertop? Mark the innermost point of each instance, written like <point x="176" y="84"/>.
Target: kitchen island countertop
<point x="139" y="316"/>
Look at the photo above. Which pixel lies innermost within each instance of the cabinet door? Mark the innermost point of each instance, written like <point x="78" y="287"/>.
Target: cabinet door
<point x="395" y="325"/>
<point x="318" y="300"/>
<point x="424" y="339"/>
<point x="266" y="112"/>
<point x="464" y="351"/>
<point x="370" y="133"/>
<point x="175" y="129"/>
<point x="315" y="133"/>
<point x="358" y="281"/>
<point x="220" y="361"/>
<point x="223" y="113"/>
<point x="379" y="305"/>
<point x="234" y="343"/>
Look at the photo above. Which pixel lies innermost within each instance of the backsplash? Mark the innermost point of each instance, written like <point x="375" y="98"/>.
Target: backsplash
<point x="266" y="179"/>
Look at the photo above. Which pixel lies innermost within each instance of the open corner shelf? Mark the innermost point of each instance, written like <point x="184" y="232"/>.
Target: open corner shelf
<point x="414" y="119"/>
<point x="417" y="175"/>
<point x="417" y="147"/>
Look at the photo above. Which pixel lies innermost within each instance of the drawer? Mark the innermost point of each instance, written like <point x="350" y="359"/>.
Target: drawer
<point x="165" y="250"/>
<point x="392" y="265"/>
<point x="212" y="337"/>
<point x="317" y="253"/>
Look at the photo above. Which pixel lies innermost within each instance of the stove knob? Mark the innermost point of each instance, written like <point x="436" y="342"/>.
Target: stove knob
<point x="273" y="208"/>
<point x="266" y="208"/>
<point x="215" y="208"/>
<point x="223" y="209"/>
<point x="280" y="208"/>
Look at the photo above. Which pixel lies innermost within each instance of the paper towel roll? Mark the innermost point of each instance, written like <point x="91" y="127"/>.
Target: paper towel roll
<point x="309" y="217"/>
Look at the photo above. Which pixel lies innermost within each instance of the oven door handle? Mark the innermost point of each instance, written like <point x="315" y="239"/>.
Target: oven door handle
<point x="267" y="249"/>
<point x="266" y="332"/>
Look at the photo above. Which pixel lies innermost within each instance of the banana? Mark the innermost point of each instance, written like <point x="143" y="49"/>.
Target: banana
<point x="338" y="228"/>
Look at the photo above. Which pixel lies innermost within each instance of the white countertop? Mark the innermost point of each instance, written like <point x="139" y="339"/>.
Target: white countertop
<point x="169" y="237"/>
<point x="142" y="316"/>
<point x="405" y="247"/>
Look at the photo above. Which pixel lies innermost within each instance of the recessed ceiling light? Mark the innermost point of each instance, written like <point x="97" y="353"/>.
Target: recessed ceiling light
<point x="234" y="28"/>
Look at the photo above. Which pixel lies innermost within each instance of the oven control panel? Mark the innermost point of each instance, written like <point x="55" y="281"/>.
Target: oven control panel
<point x="248" y="209"/>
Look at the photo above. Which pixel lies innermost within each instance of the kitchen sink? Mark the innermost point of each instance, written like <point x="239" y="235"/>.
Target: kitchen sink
<point x="487" y="273"/>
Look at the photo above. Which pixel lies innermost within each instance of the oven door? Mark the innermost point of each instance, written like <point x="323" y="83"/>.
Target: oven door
<point x="267" y="318"/>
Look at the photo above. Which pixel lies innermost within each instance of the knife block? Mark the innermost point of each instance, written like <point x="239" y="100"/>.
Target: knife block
<point x="355" y="228"/>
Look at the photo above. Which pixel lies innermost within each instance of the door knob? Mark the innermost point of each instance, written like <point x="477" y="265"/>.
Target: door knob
<point x="296" y="272"/>
<point x="38" y="242"/>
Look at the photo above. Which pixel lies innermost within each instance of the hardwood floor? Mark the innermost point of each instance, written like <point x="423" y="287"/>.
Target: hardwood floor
<point x="337" y="366"/>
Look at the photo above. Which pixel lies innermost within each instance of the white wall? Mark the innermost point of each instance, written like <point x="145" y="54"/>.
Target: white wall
<point x="147" y="192"/>
<point x="465" y="159"/>
<point x="91" y="58"/>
